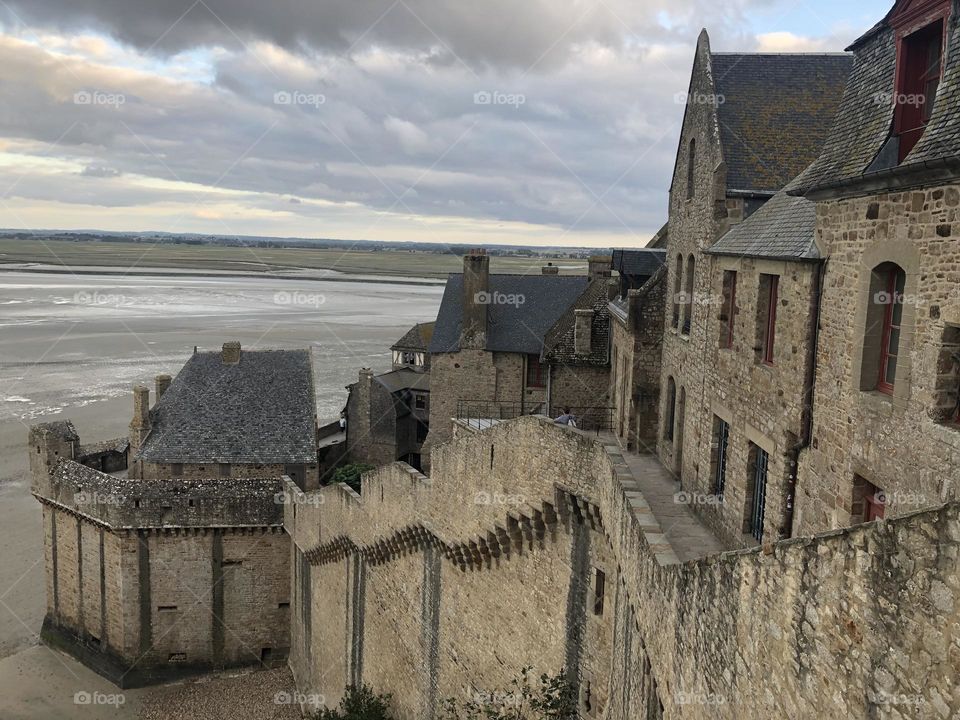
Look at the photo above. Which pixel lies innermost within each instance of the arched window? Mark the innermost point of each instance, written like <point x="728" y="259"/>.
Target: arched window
<point x="882" y="336"/>
<point x="691" y="165"/>
<point x="671" y="408"/>
<point x="677" y="285"/>
<point x="688" y="296"/>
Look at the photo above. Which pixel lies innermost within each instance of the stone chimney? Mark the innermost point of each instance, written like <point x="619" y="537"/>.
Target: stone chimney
<point x="163" y="382"/>
<point x="599" y="266"/>
<point x="231" y="353"/>
<point x="140" y="425"/>
<point x="476" y="299"/>
<point x="550" y="269"/>
<point x="583" y="332"/>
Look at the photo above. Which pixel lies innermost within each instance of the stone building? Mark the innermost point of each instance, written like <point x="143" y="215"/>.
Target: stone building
<point x="737" y="337"/>
<point x="388" y="415"/>
<point x="152" y="580"/>
<point x="886" y="438"/>
<point x="506" y="345"/>
<point x="234" y="413"/>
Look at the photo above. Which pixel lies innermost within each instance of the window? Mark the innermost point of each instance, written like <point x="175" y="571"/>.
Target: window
<point x="536" y="372"/>
<point x="688" y="296"/>
<point x="869" y="501"/>
<point x="224" y="469"/>
<point x="599" y="590"/>
<point x="892" y="300"/>
<point x="728" y="309"/>
<point x="677" y="286"/>
<point x="767" y="298"/>
<point x="919" y="66"/>
<point x="671" y="408"/>
<point x="691" y="170"/>
<point x="176" y="469"/>
<point x="947" y="408"/>
<point x="756" y="492"/>
<point x="722" y="442"/>
<point x="420" y="401"/>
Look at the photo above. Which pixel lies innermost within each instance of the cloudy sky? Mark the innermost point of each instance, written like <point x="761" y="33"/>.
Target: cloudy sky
<point x="455" y="121"/>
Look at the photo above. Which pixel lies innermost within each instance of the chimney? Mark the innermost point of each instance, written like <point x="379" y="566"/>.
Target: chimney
<point x="231" y="353"/>
<point x="599" y="266"/>
<point x="140" y="425"/>
<point x="476" y="298"/>
<point x="582" y="332"/>
<point x="550" y="269"/>
<point x="163" y="382"/>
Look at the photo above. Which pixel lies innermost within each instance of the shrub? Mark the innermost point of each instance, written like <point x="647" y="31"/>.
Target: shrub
<point x="359" y="703"/>
<point x="350" y="474"/>
<point x="545" y="698"/>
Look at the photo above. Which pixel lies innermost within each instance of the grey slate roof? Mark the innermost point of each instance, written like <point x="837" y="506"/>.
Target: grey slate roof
<point x="775" y="115"/>
<point x="784" y="228"/>
<point x="416" y="338"/>
<point x="852" y="153"/>
<point x="559" y="344"/>
<point x="639" y="262"/>
<point x="261" y="410"/>
<point x="510" y="328"/>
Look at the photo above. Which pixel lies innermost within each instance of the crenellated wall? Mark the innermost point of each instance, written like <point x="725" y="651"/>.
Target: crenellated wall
<point x="431" y="588"/>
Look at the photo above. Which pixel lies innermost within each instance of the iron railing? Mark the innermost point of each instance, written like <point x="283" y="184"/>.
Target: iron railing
<point x="480" y="413"/>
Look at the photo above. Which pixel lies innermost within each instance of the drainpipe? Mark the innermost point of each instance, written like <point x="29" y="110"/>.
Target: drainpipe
<point x="809" y="382"/>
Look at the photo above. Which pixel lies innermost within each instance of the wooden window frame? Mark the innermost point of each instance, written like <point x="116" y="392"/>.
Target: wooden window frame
<point x="770" y="332"/>
<point x="729" y="308"/>
<point x="536" y="372"/>
<point x="723" y="452"/>
<point x="883" y="386"/>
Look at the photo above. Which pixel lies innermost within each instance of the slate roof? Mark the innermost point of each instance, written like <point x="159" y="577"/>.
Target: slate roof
<point x="261" y="410"/>
<point x="639" y="262"/>
<point x="416" y="338"/>
<point x="405" y="379"/>
<point x="510" y="328"/>
<point x="854" y="152"/>
<point x="559" y="343"/>
<point x="775" y="113"/>
<point x="784" y="228"/>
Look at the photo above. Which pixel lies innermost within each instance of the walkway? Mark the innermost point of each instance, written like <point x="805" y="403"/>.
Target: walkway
<point x="687" y="535"/>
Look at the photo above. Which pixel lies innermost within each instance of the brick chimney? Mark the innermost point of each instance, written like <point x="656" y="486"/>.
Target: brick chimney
<point x="162" y="382"/>
<point x="583" y="332"/>
<point x="140" y="425"/>
<point x="476" y="299"/>
<point x="550" y="269"/>
<point x="599" y="266"/>
<point x="231" y="353"/>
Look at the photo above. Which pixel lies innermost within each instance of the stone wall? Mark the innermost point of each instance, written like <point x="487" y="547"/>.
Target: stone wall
<point x="438" y="587"/>
<point x="371" y="422"/>
<point x="897" y="442"/>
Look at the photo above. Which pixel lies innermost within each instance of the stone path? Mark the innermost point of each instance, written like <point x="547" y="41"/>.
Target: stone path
<point x="687" y="535"/>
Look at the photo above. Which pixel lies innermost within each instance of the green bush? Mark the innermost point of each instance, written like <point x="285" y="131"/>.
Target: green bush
<point x="359" y="703"/>
<point x="350" y="474"/>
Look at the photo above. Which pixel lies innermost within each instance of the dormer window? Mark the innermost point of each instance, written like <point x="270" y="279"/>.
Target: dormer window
<point x="919" y="69"/>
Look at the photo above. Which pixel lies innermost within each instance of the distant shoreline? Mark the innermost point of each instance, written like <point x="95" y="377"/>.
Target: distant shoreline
<point x="172" y="273"/>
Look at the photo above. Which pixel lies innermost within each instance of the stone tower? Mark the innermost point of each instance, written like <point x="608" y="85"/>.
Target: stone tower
<point x="476" y="299"/>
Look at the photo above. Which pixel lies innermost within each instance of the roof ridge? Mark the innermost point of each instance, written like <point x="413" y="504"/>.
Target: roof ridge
<point x="836" y="53"/>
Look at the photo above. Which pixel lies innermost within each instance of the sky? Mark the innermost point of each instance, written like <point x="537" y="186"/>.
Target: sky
<point x="535" y="122"/>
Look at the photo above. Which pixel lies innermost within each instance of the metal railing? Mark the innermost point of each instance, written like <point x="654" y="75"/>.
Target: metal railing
<point x="480" y="413"/>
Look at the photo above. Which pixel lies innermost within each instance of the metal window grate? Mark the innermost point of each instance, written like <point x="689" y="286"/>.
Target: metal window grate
<point x="723" y="441"/>
<point x="759" y="494"/>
